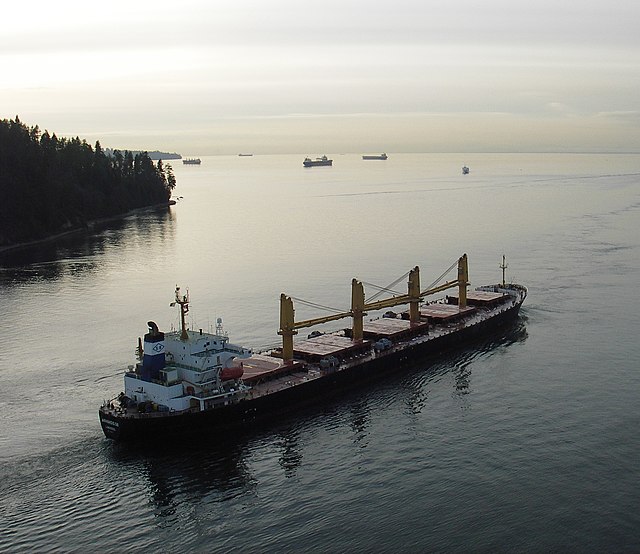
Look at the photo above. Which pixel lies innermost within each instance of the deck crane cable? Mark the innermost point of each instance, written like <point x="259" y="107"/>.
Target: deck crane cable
<point x="318" y="306"/>
<point x="388" y="288"/>
<point x="454" y="264"/>
<point x="381" y="290"/>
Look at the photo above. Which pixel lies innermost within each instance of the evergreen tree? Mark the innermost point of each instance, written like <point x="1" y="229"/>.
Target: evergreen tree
<point x="49" y="185"/>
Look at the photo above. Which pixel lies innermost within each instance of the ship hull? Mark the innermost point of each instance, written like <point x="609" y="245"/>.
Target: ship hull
<point x="247" y="412"/>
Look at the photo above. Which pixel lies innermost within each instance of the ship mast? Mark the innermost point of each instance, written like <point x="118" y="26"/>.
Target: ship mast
<point x="503" y="266"/>
<point x="183" y="302"/>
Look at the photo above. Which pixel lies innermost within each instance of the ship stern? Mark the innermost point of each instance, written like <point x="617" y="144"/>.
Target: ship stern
<point x="111" y="425"/>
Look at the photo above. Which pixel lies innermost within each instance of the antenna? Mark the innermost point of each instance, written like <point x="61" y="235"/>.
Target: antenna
<point x="503" y="266"/>
<point x="183" y="302"/>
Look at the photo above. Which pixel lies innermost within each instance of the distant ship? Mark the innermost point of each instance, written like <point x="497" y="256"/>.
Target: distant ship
<point x="308" y="162"/>
<point x="382" y="156"/>
<point x="192" y="161"/>
<point x="465" y="170"/>
<point x="245" y="154"/>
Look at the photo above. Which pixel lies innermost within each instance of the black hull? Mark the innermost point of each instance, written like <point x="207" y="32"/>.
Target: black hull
<point x="248" y="412"/>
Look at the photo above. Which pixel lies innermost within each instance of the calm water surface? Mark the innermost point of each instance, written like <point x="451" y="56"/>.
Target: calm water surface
<point x="528" y="442"/>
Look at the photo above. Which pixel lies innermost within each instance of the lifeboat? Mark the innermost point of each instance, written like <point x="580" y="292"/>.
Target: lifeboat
<point x="229" y="373"/>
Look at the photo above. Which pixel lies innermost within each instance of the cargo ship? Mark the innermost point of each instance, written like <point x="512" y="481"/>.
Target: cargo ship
<point x="382" y="156"/>
<point x="191" y="382"/>
<point x="192" y="161"/>
<point x="308" y="162"/>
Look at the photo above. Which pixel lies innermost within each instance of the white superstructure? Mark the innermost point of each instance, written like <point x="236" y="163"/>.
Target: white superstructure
<point x="186" y="369"/>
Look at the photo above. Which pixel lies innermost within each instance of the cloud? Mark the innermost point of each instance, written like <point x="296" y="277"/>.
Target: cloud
<point x="230" y="64"/>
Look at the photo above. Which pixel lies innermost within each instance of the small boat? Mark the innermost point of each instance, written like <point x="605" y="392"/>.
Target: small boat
<point x="465" y="170"/>
<point x="382" y="156"/>
<point x="308" y="162"/>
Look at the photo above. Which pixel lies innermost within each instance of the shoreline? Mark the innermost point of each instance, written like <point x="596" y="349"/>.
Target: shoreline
<point x="90" y="226"/>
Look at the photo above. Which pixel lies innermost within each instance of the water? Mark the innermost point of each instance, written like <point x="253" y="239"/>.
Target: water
<point x="528" y="442"/>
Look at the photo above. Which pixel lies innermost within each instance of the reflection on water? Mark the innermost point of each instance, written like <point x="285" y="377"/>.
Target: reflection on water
<point x="485" y="348"/>
<point x="80" y="252"/>
<point x="195" y="470"/>
<point x="415" y="397"/>
<point x="290" y="452"/>
<point x="359" y="420"/>
<point x="463" y="377"/>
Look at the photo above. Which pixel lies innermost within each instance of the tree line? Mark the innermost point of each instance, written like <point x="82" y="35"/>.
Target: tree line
<point x="49" y="185"/>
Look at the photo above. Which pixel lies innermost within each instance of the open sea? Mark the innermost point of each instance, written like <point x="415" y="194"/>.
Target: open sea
<point x="526" y="442"/>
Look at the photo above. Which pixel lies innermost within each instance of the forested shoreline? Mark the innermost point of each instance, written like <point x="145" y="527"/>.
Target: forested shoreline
<point x="51" y="185"/>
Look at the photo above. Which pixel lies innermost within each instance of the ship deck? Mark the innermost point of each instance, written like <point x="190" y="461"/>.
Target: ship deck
<point x="393" y="328"/>
<point x="444" y="313"/>
<point x="259" y="366"/>
<point x="480" y="298"/>
<point x="316" y="348"/>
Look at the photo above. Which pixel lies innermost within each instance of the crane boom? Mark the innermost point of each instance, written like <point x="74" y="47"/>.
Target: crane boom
<point x="319" y="320"/>
<point x="288" y="325"/>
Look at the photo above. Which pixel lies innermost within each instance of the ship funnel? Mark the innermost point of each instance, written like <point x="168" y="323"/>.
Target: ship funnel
<point x="153" y="359"/>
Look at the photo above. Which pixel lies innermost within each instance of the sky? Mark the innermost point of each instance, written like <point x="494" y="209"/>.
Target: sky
<point x="207" y="77"/>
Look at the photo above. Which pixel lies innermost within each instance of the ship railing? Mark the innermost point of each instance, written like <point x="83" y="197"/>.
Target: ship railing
<point x="140" y="415"/>
<point x="193" y="368"/>
<point x="208" y="352"/>
<point x="134" y="375"/>
<point x="236" y="349"/>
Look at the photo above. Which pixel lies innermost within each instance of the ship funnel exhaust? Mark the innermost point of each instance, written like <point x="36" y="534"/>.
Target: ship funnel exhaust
<point x="153" y="359"/>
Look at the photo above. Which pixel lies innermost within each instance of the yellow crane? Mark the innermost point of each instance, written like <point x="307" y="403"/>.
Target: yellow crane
<point x="289" y="326"/>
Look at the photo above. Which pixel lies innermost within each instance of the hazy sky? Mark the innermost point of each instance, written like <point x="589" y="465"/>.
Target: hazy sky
<point x="227" y="76"/>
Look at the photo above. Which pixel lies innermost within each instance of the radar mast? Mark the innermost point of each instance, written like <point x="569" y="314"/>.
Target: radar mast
<point x="183" y="302"/>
